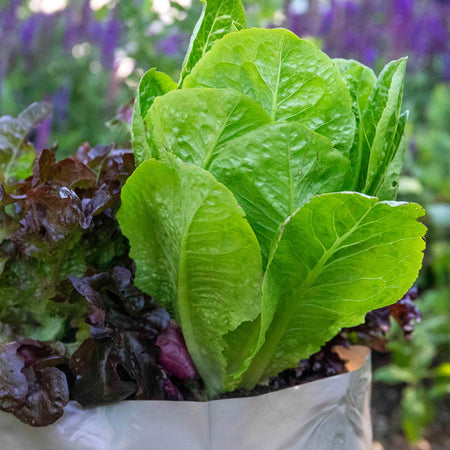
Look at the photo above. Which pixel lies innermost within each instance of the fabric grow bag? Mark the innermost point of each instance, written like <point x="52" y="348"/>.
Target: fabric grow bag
<point x="328" y="414"/>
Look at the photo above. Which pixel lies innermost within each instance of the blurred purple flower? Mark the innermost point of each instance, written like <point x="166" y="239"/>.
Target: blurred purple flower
<point x="351" y="9"/>
<point x="78" y="21"/>
<point x="70" y="29"/>
<point x="85" y="19"/>
<point x="401" y="26"/>
<point x="372" y="30"/>
<point x="170" y="45"/>
<point x="327" y="21"/>
<point x="446" y="72"/>
<point x="9" y="16"/>
<point x="110" y="41"/>
<point x="29" y="29"/>
<point x="43" y="132"/>
<point x="351" y="39"/>
<point x="369" y="56"/>
<point x="96" y="32"/>
<point x="60" y="103"/>
<point x="403" y="8"/>
<point x="431" y="35"/>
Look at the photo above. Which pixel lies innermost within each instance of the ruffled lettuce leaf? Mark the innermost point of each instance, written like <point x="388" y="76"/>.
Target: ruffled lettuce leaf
<point x="288" y="76"/>
<point x="58" y="222"/>
<point x="218" y="18"/>
<point x="195" y="254"/>
<point x="339" y="257"/>
<point x="32" y="387"/>
<point x="120" y="359"/>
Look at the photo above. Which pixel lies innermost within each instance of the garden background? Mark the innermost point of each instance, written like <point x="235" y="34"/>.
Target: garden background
<point x="85" y="57"/>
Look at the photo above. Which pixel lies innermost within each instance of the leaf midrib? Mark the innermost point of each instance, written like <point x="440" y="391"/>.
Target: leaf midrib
<point x="277" y="84"/>
<point x="314" y="273"/>
<point x="210" y="33"/>
<point x="327" y="254"/>
<point x="207" y="159"/>
<point x="307" y="284"/>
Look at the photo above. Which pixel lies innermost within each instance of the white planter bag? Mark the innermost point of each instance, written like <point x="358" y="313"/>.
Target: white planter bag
<point x="328" y="414"/>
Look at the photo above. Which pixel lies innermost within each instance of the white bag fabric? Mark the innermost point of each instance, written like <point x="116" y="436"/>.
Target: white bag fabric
<point x="328" y="414"/>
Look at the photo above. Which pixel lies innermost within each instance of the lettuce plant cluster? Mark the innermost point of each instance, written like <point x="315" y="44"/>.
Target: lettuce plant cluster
<point x="262" y="212"/>
<point x="259" y="223"/>
<point x="72" y="324"/>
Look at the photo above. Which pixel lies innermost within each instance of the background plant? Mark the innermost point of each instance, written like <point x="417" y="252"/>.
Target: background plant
<point x="95" y="53"/>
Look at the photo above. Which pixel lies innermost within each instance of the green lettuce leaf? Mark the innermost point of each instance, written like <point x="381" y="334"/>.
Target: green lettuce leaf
<point x="28" y="284"/>
<point x="389" y="184"/>
<point x="339" y="257"/>
<point x="152" y="85"/>
<point x="271" y="168"/>
<point x="289" y="77"/>
<point x="360" y="80"/>
<point x="381" y="122"/>
<point x="274" y="170"/>
<point x="195" y="254"/>
<point x="218" y="18"/>
<point x="196" y="124"/>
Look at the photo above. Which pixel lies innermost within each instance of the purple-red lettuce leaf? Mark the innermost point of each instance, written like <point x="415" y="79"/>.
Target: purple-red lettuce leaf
<point x="32" y="387"/>
<point x="120" y="359"/>
<point x="100" y="375"/>
<point x="58" y="222"/>
<point x="174" y="357"/>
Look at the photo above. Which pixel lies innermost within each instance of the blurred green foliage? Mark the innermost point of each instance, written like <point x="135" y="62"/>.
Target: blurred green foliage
<point x="429" y="162"/>
<point x="421" y="364"/>
<point x="72" y="58"/>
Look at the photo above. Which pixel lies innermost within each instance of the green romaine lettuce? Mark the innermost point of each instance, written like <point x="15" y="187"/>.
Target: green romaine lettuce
<point x="389" y="184"/>
<point x="383" y="126"/>
<point x="231" y="136"/>
<point x="197" y="124"/>
<point x="292" y="80"/>
<point x="218" y="18"/>
<point x="266" y="122"/>
<point x="195" y="253"/>
<point x="360" y="80"/>
<point x="152" y="85"/>
<point x="338" y="257"/>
